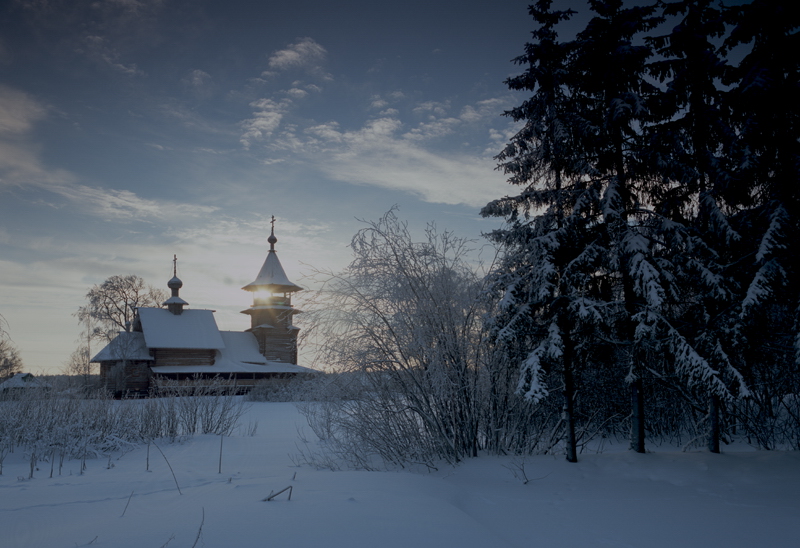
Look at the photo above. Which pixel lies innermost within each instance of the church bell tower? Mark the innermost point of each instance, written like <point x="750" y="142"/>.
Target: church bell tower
<point x="272" y="311"/>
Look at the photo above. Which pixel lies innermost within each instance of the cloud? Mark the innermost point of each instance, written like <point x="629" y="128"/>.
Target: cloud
<point x="21" y="167"/>
<point x="378" y="103"/>
<point x="305" y="53"/>
<point x="265" y="121"/>
<point x="197" y="78"/>
<point x="194" y="120"/>
<point x="268" y="116"/>
<point x="269" y="113"/>
<point x="124" y="205"/>
<point x="433" y="159"/>
<point x="483" y="110"/>
<point x="296" y="93"/>
<point x="378" y="154"/>
<point x="434" y="129"/>
<point x="18" y="111"/>
<point x="97" y="48"/>
<point x="19" y="161"/>
<point x="328" y="133"/>
<point x="199" y="84"/>
<point x="433" y="108"/>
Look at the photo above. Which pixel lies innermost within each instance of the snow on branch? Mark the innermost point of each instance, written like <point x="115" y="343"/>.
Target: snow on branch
<point x="530" y="383"/>
<point x="688" y="362"/>
<point x="587" y="310"/>
<point x="693" y="367"/>
<point x="763" y="285"/>
<point x="647" y="281"/>
<point x="719" y="220"/>
<point x="771" y="240"/>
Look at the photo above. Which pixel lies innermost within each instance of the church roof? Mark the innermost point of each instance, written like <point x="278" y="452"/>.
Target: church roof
<point x="193" y="329"/>
<point x="241" y="346"/>
<point x="272" y="277"/>
<point x="126" y="346"/>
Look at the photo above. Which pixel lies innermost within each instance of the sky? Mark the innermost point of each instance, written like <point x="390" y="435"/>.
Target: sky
<point x="135" y="130"/>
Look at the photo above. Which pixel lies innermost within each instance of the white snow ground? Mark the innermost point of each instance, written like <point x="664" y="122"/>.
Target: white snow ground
<point x="616" y="499"/>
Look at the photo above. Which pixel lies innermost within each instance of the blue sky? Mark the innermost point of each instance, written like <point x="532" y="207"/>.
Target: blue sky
<point x="132" y="130"/>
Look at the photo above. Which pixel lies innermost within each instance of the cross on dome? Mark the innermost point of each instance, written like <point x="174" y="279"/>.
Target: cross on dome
<point x="272" y="278"/>
<point x="175" y="304"/>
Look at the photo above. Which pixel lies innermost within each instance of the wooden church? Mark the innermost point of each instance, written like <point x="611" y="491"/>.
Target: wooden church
<point x="179" y="343"/>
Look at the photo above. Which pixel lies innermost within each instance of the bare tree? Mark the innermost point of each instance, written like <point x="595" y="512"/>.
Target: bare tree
<point x="111" y="305"/>
<point x="80" y="367"/>
<point x="10" y="360"/>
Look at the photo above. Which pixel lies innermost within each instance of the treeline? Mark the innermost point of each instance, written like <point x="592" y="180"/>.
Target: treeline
<point x="645" y="288"/>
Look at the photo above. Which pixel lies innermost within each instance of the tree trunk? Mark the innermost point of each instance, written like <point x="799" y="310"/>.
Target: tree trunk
<point x="569" y="392"/>
<point x="713" y="424"/>
<point x="569" y="411"/>
<point x="637" y="416"/>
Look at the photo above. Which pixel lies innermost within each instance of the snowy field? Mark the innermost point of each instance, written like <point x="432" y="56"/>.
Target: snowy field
<point x="667" y="498"/>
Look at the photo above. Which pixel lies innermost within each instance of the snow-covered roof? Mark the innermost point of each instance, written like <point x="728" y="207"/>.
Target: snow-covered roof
<point x="272" y="277"/>
<point x="22" y="380"/>
<point x="240" y="346"/>
<point x="126" y="346"/>
<point x="190" y="329"/>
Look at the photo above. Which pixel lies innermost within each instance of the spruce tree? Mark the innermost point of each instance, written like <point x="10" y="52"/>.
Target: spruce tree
<point x="683" y="145"/>
<point x="551" y="247"/>
<point x="613" y="246"/>
<point x="765" y="197"/>
<point x="576" y="261"/>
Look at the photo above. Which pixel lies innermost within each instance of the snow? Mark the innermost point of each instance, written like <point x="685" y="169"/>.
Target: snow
<point x="190" y="329"/>
<point x="21" y="381"/>
<point x="272" y="277"/>
<point x="241" y="346"/>
<point x="618" y="498"/>
<point x="125" y="346"/>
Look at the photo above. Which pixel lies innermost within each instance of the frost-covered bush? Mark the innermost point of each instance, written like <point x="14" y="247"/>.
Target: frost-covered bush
<point x="207" y="406"/>
<point x="56" y="425"/>
<point x="48" y="424"/>
<point x="419" y="380"/>
<point x="300" y="388"/>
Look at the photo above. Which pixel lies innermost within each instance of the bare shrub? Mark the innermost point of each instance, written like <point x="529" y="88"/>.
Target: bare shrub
<point x="421" y="380"/>
<point x="55" y="425"/>
<point x="210" y="406"/>
<point x="295" y="389"/>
